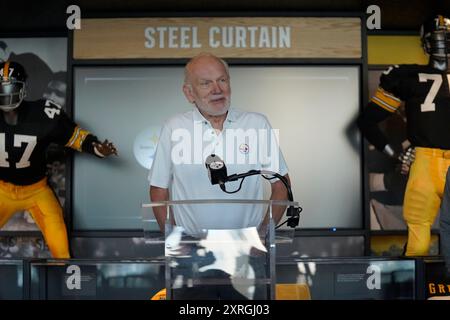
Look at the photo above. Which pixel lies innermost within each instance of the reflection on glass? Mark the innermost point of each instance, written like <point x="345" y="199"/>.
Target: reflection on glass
<point x="11" y="279"/>
<point x="222" y="257"/>
<point x="342" y="279"/>
<point x="97" y="280"/>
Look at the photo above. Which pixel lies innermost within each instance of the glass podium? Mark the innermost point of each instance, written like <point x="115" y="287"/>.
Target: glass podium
<point x="218" y="249"/>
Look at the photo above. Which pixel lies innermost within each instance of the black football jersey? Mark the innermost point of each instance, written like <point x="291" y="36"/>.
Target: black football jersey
<point x="426" y="94"/>
<point x="23" y="146"/>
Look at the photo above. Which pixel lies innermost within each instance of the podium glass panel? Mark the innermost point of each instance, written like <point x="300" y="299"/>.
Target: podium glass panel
<point x="218" y="249"/>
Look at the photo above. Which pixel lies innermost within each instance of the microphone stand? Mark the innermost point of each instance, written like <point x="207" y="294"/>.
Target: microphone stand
<point x="293" y="213"/>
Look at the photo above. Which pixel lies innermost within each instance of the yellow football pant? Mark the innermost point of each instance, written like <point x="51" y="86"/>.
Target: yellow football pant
<point x="423" y="197"/>
<point x="45" y="209"/>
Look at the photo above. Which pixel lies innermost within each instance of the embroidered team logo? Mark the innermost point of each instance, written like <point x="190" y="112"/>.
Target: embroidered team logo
<point x="244" y="148"/>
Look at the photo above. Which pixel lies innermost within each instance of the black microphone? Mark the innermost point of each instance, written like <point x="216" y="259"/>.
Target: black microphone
<point x="217" y="171"/>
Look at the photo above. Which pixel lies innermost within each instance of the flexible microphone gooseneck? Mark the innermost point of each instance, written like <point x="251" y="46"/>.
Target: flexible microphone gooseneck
<point x="217" y="172"/>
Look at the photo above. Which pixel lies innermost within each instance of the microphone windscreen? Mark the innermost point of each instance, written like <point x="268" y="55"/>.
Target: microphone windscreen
<point x="217" y="171"/>
<point x="210" y="159"/>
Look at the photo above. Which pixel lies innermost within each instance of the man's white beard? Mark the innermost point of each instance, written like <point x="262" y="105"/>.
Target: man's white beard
<point x="214" y="113"/>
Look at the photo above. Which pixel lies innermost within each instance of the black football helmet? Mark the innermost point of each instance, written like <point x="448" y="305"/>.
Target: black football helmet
<point x="12" y="85"/>
<point x="435" y="37"/>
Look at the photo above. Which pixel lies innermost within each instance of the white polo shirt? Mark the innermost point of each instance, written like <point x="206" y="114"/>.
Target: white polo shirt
<point x="246" y="142"/>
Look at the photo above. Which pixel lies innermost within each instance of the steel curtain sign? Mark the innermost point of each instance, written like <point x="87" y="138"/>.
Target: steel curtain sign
<point x="244" y="37"/>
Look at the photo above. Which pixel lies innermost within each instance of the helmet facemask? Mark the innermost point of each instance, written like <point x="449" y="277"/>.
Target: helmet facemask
<point x="12" y="93"/>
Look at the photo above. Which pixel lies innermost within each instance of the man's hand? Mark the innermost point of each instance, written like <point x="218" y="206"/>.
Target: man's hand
<point x="104" y="149"/>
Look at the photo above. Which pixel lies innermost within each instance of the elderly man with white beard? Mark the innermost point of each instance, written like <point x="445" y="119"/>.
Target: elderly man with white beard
<point x="175" y="175"/>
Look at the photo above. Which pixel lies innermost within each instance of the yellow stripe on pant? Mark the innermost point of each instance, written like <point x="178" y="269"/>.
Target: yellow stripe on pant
<point x="45" y="209"/>
<point x="423" y="197"/>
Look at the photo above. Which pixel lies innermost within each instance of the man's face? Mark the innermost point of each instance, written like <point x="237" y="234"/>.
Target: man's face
<point x="209" y="86"/>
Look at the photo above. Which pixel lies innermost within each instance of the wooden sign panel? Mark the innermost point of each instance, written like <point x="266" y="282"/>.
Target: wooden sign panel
<point x="244" y="37"/>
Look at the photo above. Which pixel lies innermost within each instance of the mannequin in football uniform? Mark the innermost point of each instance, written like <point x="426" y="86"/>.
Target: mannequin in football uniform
<point x="26" y="130"/>
<point x="425" y="90"/>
